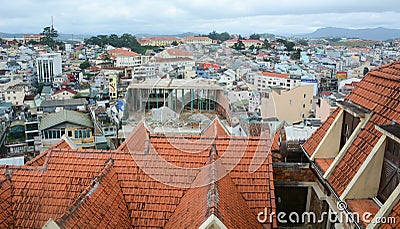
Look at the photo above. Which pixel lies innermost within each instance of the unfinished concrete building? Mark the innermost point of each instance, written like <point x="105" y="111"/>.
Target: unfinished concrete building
<point x="176" y="94"/>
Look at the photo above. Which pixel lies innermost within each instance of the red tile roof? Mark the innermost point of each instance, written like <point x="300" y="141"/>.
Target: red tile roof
<point x="6" y="206"/>
<point x="70" y="185"/>
<point x="105" y="193"/>
<point x="324" y="163"/>
<point x="363" y="206"/>
<point x="274" y="74"/>
<point x="200" y="203"/>
<point x="179" y="52"/>
<point x="65" y="89"/>
<point x="313" y="141"/>
<point x="396" y="214"/>
<point x="379" y="92"/>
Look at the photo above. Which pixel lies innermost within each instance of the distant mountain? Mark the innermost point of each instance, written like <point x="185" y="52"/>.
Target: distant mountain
<point x="377" y="34"/>
<point x="65" y="37"/>
<point x="11" y="35"/>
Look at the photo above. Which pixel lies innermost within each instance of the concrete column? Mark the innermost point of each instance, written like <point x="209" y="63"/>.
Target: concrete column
<point x="156" y="98"/>
<point x="183" y="99"/>
<point x="140" y="100"/>
<point x="148" y="98"/>
<point x="191" y="99"/>
<point x="309" y="192"/>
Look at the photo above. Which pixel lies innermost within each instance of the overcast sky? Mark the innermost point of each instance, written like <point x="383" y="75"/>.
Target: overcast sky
<point x="199" y="16"/>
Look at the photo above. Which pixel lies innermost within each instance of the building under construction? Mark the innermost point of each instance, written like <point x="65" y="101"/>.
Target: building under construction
<point x="176" y="94"/>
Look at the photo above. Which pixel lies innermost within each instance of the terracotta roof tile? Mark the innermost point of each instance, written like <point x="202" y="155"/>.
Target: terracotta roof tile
<point x="178" y="52"/>
<point x="324" y="163"/>
<point x="88" y="211"/>
<point x="313" y="141"/>
<point x="51" y="188"/>
<point x="379" y="91"/>
<point x="396" y="214"/>
<point x="6" y="216"/>
<point x="362" y="206"/>
<point x="219" y="197"/>
<point x="274" y="74"/>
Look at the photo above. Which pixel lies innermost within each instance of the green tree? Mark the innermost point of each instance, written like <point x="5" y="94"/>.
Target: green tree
<point x="239" y="45"/>
<point x="174" y="43"/>
<point x="266" y="44"/>
<point x="125" y="40"/>
<point x="255" y="36"/>
<point x="219" y="36"/>
<point x="289" y="46"/>
<point x="50" y="37"/>
<point x="303" y="42"/>
<point x="84" y="65"/>
<point x="296" y="55"/>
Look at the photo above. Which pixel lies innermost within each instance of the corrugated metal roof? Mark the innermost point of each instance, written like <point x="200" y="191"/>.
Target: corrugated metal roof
<point x="75" y="117"/>
<point x="65" y="102"/>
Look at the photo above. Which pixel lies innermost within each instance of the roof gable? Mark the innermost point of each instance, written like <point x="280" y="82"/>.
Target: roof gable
<point x="218" y="197"/>
<point x="63" y="116"/>
<point x="87" y="211"/>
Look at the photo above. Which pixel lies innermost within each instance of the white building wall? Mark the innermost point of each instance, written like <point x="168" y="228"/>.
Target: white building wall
<point x="48" y="65"/>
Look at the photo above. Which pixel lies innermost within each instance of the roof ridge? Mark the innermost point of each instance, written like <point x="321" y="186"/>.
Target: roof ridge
<point x="212" y="193"/>
<point x="92" y="187"/>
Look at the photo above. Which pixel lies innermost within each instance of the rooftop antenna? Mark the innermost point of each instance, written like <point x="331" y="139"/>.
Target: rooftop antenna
<point x="52" y="24"/>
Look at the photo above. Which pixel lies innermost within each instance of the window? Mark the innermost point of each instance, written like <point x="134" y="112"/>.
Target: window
<point x="82" y="133"/>
<point x="349" y="125"/>
<point x="69" y="133"/>
<point x="305" y="95"/>
<point x="390" y="175"/>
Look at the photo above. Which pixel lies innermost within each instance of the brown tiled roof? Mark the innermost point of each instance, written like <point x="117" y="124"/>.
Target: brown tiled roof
<point x="178" y="52"/>
<point x="396" y="214"/>
<point x="105" y="193"/>
<point x="6" y="207"/>
<point x="313" y="141"/>
<point x="324" y="163"/>
<point x="275" y="140"/>
<point x="379" y="92"/>
<point x="362" y="206"/>
<point x="62" y="184"/>
<point x="200" y="203"/>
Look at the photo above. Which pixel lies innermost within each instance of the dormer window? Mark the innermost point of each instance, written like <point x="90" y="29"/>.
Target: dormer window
<point x="349" y="125"/>
<point x="390" y="176"/>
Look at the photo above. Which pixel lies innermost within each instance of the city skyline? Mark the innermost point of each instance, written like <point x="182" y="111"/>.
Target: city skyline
<point x="160" y="17"/>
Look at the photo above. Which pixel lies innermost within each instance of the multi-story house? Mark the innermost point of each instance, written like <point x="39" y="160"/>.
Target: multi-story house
<point x="198" y="40"/>
<point x="48" y="66"/>
<point x="288" y="105"/>
<point x="273" y="79"/>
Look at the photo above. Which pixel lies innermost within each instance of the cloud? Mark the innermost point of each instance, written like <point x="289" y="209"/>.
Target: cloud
<point x="168" y="17"/>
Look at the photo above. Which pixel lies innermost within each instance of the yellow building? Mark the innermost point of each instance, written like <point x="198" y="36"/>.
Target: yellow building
<point x="158" y="41"/>
<point x="198" y="40"/>
<point x="113" y="86"/>
<point x="75" y="125"/>
<point x="288" y="105"/>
